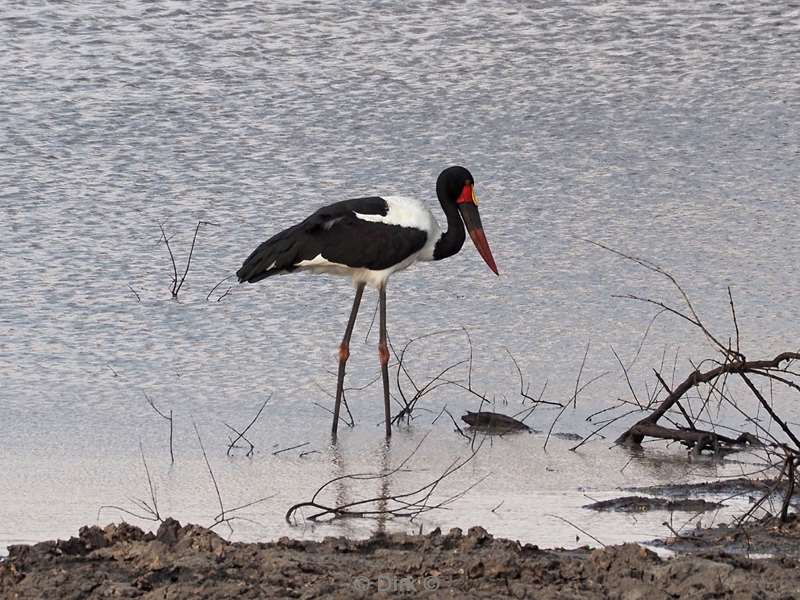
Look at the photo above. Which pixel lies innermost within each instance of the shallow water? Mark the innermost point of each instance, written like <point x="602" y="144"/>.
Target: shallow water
<point x="667" y="131"/>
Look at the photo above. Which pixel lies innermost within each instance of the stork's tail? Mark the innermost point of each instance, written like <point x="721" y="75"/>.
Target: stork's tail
<point x="277" y="255"/>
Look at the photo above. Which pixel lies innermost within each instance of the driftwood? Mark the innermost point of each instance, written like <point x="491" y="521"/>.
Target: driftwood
<point x="701" y="439"/>
<point x="733" y="362"/>
<point x="781" y="451"/>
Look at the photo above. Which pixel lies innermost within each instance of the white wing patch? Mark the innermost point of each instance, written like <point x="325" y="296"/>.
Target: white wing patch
<point x="406" y="212"/>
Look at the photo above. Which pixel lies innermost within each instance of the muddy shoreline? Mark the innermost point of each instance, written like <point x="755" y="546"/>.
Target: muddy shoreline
<point x="190" y="561"/>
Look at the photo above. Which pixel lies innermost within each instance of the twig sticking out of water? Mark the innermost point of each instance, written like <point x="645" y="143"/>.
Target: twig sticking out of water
<point x="225" y="515"/>
<point x="150" y="509"/>
<point x="232" y="445"/>
<point x="791" y="474"/>
<point x="407" y="505"/>
<point x="583" y="531"/>
<point x="691" y="315"/>
<point x="178" y="283"/>
<point x="241" y="435"/>
<point x="574" y="399"/>
<point x="295" y="447"/>
<point x="524" y="388"/>
<point x="135" y="293"/>
<point x="444" y="411"/>
<point x="169" y="420"/>
<point x="409" y="402"/>
<point x="211" y="473"/>
<point x="221" y="296"/>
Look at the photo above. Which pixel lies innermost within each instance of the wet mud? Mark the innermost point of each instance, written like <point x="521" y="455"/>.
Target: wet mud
<point x="122" y="561"/>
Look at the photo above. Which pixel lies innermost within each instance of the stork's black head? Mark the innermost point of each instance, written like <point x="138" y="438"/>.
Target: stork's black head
<point x="451" y="182"/>
<point x="455" y="186"/>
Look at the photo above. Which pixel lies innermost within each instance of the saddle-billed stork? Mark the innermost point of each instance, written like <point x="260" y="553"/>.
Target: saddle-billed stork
<point x="368" y="239"/>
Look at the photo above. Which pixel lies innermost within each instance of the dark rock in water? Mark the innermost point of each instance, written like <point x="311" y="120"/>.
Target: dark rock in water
<point x="729" y="487"/>
<point x="642" y="504"/>
<point x="495" y="422"/>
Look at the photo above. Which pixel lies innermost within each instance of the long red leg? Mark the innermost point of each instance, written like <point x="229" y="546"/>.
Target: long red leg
<point x="344" y="354"/>
<point x="383" y="353"/>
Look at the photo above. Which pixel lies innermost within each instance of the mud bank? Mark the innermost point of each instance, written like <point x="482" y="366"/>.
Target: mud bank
<point x="122" y="561"/>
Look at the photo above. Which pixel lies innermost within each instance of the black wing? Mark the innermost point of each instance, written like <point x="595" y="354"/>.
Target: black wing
<point x="339" y="236"/>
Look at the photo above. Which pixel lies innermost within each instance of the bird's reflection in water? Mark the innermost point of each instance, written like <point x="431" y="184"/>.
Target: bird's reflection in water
<point x="386" y="475"/>
<point x="350" y="487"/>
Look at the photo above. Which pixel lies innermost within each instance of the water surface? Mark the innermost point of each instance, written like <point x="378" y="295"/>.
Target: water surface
<point x="668" y="131"/>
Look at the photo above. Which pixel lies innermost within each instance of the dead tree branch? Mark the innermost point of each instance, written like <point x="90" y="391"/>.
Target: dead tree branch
<point x="241" y="434"/>
<point x="178" y="283"/>
<point x="150" y="509"/>
<point x="221" y="517"/>
<point x="574" y="399"/>
<point x="648" y="426"/>
<point x="295" y="447"/>
<point x="692" y="315"/>
<point x="135" y="293"/>
<point x="225" y="516"/>
<point x="407" y="505"/>
<point x="216" y="286"/>
<point x="169" y="420"/>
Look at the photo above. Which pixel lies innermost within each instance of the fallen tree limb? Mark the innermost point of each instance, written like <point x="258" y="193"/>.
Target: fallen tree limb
<point x="649" y="427"/>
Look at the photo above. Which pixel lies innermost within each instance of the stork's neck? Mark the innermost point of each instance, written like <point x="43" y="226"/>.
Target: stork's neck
<point x="451" y="240"/>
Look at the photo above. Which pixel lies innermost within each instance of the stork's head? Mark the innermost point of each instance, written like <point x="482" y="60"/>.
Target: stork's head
<point x="455" y="186"/>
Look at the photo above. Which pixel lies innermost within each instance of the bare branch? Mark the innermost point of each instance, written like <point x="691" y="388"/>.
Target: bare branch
<point x="646" y="426"/>
<point x="168" y="418"/>
<point x="650" y="266"/>
<point x="246" y="429"/>
<point x="135" y="293"/>
<point x="290" y="448"/>
<point x="211" y="473"/>
<point x="189" y="260"/>
<point x="735" y="322"/>
<point x="583" y="531"/>
<point x="177" y="284"/>
<point x="221" y="281"/>
<point x="771" y="412"/>
<point x="408" y="505"/>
